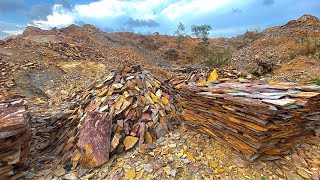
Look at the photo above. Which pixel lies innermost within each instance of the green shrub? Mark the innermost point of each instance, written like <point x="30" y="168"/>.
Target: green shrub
<point x="252" y="34"/>
<point x="219" y="58"/>
<point x="309" y="47"/>
<point x="202" y="32"/>
<point x="180" y="33"/>
<point x="317" y="81"/>
<point x="202" y="48"/>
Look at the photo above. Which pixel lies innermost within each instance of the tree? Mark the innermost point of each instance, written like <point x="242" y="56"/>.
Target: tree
<point x="180" y="33"/>
<point x="202" y="31"/>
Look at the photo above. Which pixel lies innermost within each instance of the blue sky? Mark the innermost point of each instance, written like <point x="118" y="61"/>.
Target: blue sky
<point x="227" y="17"/>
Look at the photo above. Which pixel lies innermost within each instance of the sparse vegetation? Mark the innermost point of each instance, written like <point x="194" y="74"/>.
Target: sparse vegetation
<point x="263" y="66"/>
<point x="180" y="33"/>
<point x="247" y="38"/>
<point x="308" y="47"/>
<point x="317" y="81"/>
<point x="202" y="32"/>
<point x="201" y="49"/>
<point x="219" y="58"/>
<point x="252" y="34"/>
<point x="311" y="48"/>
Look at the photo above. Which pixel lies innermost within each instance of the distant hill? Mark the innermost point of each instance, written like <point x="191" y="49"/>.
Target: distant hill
<point x="285" y="53"/>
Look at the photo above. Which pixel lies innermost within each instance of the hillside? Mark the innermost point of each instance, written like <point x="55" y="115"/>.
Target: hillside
<point x="59" y="62"/>
<point x="291" y="51"/>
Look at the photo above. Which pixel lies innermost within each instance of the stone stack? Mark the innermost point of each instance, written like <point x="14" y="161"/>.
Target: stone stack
<point x="257" y="119"/>
<point x="4" y="74"/>
<point x="128" y="108"/>
<point x="201" y="75"/>
<point x="15" y="136"/>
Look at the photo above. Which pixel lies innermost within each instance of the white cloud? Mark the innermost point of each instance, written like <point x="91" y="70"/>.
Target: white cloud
<point x="59" y="18"/>
<point x="7" y="28"/>
<point x="193" y="8"/>
<point x="140" y="9"/>
<point x="230" y="31"/>
<point x="109" y="10"/>
<point x="101" y="9"/>
<point x="12" y="32"/>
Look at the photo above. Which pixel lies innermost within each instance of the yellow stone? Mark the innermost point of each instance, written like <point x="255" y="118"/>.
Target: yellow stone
<point x="178" y="86"/>
<point x="75" y="158"/>
<point x="165" y="151"/>
<point x="167" y="169"/>
<point x="303" y="173"/>
<point x="154" y="98"/>
<point x="219" y="170"/>
<point x="100" y="85"/>
<point x="130" y="84"/>
<point x="271" y="82"/>
<point x="119" y="102"/>
<point x="190" y="156"/>
<point x="148" y="137"/>
<point x="201" y="81"/>
<point x="213" y="76"/>
<point x="208" y="178"/>
<point x="157" y="85"/>
<point x="129" y="142"/>
<point x="127" y="69"/>
<point x="120" y="163"/>
<point x="130" y="174"/>
<point x="213" y="163"/>
<point x="73" y="116"/>
<point x="146" y="95"/>
<point x="103" y="92"/>
<point x="180" y="154"/>
<point x="164" y="101"/>
<point x="139" y="175"/>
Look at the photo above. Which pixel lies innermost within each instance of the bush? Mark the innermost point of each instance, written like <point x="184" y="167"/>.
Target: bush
<point x="201" y="32"/>
<point x="252" y="34"/>
<point x="180" y="33"/>
<point x="202" y="48"/>
<point x="317" y="81"/>
<point x="219" y="58"/>
<point x="308" y="47"/>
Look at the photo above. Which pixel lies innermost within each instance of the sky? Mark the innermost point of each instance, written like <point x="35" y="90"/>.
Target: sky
<point x="227" y="18"/>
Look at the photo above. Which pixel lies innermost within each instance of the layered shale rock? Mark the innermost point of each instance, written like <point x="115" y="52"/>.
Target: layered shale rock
<point x="257" y="119"/>
<point x="15" y="136"/>
<point x="127" y="108"/>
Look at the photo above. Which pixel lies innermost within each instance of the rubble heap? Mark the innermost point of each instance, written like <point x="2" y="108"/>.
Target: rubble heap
<point x="201" y="74"/>
<point x="126" y="108"/>
<point x="15" y="136"/>
<point x="5" y="82"/>
<point x="257" y="119"/>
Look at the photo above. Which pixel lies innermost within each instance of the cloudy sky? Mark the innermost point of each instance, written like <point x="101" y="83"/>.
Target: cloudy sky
<point x="227" y="17"/>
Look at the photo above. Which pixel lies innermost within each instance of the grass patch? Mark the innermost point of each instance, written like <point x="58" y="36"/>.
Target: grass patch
<point x="309" y="47"/>
<point x="252" y="34"/>
<point x="317" y="81"/>
<point x="219" y="58"/>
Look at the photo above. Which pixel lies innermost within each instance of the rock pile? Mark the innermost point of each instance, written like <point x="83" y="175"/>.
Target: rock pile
<point x="257" y="119"/>
<point x="201" y="75"/>
<point x="128" y="107"/>
<point x="15" y="137"/>
<point x="4" y="75"/>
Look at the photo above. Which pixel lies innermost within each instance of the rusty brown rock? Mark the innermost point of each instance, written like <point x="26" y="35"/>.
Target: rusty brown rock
<point x="94" y="139"/>
<point x="15" y="136"/>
